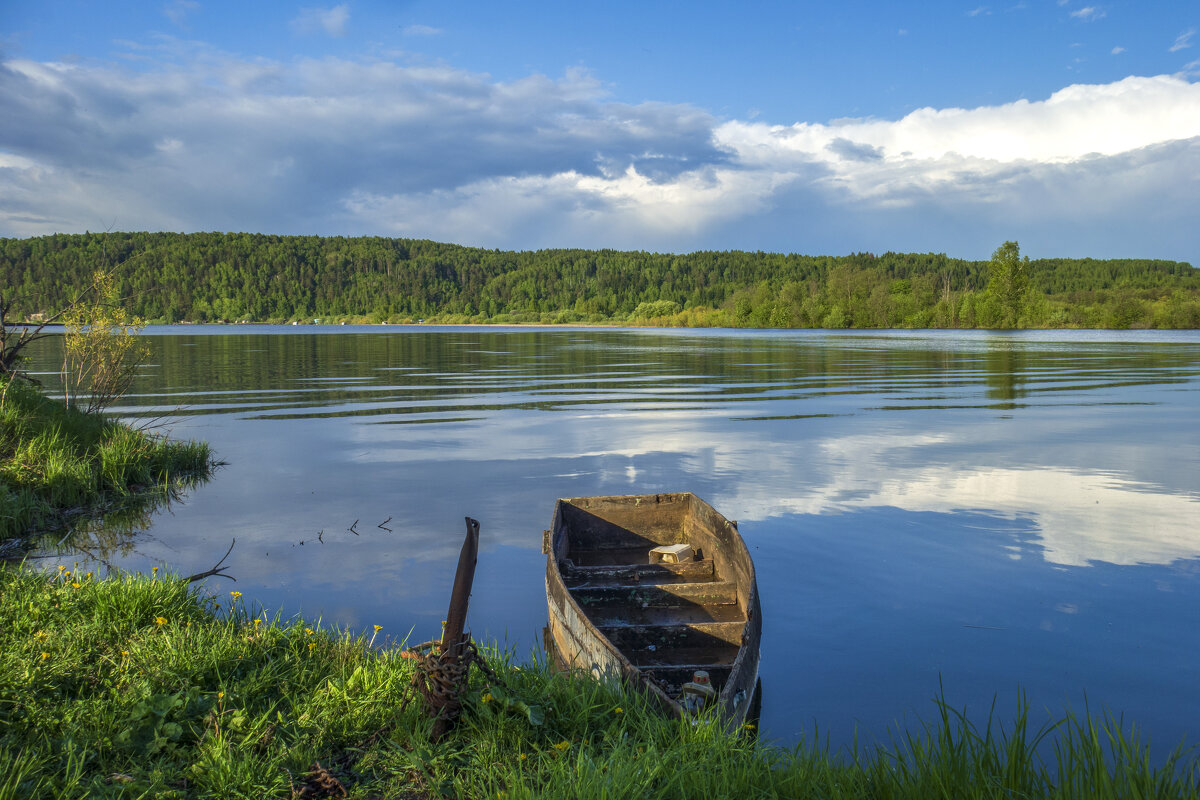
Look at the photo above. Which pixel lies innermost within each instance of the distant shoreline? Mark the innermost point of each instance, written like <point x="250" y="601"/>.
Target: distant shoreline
<point x="1144" y="335"/>
<point x="181" y="278"/>
<point x="591" y="325"/>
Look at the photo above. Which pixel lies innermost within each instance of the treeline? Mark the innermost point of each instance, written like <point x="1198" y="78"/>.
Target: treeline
<point x="218" y="277"/>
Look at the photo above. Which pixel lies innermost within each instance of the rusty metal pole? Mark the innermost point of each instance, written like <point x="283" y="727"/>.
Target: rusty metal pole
<point x="453" y="643"/>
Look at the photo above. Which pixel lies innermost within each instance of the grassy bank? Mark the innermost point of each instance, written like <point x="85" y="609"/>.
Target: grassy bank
<point x="138" y="687"/>
<point x="56" y="464"/>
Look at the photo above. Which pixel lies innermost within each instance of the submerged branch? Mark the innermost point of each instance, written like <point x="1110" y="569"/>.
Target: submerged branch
<point x="216" y="569"/>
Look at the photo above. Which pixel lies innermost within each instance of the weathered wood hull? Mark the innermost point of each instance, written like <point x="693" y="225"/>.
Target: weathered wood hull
<point x="616" y="615"/>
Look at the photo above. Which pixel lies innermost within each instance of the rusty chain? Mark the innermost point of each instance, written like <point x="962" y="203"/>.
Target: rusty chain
<point x="440" y="677"/>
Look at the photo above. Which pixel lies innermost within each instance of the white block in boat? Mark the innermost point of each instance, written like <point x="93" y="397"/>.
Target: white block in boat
<point x="672" y="554"/>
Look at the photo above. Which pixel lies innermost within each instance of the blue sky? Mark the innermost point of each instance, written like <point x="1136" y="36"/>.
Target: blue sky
<point x="1073" y="127"/>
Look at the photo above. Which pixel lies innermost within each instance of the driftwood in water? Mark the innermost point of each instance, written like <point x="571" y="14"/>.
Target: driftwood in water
<point x="216" y="569"/>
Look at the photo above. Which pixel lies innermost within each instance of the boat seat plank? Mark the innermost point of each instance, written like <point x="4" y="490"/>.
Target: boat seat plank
<point x="630" y="542"/>
<point x="654" y="638"/>
<point x="709" y="658"/>
<point x="618" y="615"/>
<point x="603" y="557"/>
<point x="665" y="595"/>
<point x="687" y="572"/>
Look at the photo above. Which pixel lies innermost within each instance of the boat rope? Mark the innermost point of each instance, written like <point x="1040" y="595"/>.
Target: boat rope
<point x="441" y="677"/>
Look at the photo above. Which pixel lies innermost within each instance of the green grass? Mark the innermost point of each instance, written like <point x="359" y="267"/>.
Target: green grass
<point x="56" y="464"/>
<point x="138" y="687"/>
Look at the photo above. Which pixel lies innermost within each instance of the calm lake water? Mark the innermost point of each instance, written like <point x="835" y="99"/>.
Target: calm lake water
<point x="989" y="510"/>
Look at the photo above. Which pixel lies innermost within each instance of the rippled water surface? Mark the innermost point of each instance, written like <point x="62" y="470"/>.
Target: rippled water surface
<point x="992" y="510"/>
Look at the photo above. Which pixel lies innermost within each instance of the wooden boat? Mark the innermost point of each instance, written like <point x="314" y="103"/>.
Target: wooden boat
<point x="619" y="610"/>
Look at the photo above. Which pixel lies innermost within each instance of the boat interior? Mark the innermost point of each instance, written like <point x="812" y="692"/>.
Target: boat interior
<point x="669" y="619"/>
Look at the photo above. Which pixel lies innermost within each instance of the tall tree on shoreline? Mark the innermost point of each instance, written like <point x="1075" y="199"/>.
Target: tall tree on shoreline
<point x="1008" y="284"/>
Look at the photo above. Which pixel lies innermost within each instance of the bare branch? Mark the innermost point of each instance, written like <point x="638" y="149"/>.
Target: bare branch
<point x="216" y="569"/>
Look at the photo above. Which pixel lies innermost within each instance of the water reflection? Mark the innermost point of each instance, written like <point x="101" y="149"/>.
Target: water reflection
<point x="1078" y="517"/>
<point x="1005" y="374"/>
<point x="883" y="478"/>
<point x="109" y="534"/>
<point x="420" y="373"/>
<point x="777" y="420"/>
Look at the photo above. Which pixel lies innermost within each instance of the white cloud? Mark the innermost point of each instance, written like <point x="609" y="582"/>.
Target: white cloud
<point x="1088" y="13"/>
<point x="1182" y="41"/>
<point x="421" y="30"/>
<point x="1116" y="51"/>
<point x="177" y="10"/>
<point x="625" y="208"/>
<point x="976" y="150"/>
<point x="1076" y="122"/>
<point x="213" y="142"/>
<point x="977" y="11"/>
<point x="330" y="20"/>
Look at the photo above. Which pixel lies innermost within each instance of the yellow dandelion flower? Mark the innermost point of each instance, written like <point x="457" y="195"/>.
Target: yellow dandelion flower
<point x="308" y="631"/>
<point x="61" y="567"/>
<point x="40" y="635"/>
<point x="236" y="595"/>
<point x="67" y="574"/>
<point x="487" y="697"/>
<point x="618" y="710"/>
<point x="154" y="569"/>
<point x="563" y="745"/>
<point x="257" y="622"/>
<point x="311" y="645"/>
<point x="160" y="620"/>
<point x="75" y="585"/>
<point x="523" y="756"/>
<point x="220" y="695"/>
<point x="378" y="628"/>
<point x="124" y="652"/>
<point x="45" y="655"/>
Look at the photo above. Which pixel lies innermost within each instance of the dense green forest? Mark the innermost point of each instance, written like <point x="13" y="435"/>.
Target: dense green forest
<point x="210" y="277"/>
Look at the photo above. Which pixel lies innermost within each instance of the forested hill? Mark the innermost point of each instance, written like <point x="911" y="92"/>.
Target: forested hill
<point x="203" y="277"/>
